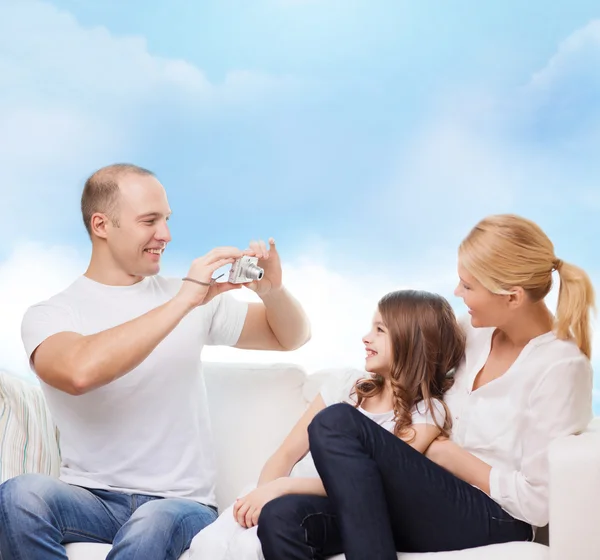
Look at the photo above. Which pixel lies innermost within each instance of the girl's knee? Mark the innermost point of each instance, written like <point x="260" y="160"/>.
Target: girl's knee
<point x="279" y="513"/>
<point x="334" y="418"/>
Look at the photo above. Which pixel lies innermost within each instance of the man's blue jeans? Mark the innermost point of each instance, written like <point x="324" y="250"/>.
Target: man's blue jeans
<point x="40" y="514"/>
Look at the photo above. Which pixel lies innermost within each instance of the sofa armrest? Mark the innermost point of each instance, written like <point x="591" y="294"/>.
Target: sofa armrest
<point x="574" y="490"/>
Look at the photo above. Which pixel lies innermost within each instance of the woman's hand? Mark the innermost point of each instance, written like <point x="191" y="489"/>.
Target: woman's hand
<point x="441" y="450"/>
<point x="247" y="509"/>
<point x="460" y="463"/>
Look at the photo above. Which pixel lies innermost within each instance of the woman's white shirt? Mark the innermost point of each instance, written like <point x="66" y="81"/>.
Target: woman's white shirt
<point x="509" y="422"/>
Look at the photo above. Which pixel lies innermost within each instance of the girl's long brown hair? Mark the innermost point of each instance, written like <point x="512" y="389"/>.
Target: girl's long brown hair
<point x="427" y="346"/>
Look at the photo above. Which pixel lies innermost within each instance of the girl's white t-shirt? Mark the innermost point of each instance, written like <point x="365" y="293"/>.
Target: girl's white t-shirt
<point x="338" y="388"/>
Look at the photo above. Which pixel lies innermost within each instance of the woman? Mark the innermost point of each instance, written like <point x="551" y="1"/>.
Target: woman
<point x="526" y="379"/>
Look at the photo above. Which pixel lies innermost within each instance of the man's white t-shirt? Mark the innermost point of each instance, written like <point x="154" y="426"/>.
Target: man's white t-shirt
<point x="339" y="388"/>
<point x="147" y="432"/>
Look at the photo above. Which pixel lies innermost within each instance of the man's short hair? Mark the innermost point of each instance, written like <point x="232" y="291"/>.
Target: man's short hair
<point x="101" y="192"/>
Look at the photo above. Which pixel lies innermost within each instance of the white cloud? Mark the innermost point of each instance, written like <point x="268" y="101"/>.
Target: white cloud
<point x="74" y="98"/>
<point x="529" y="150"/>
<point x="340" y="306"/>
<point x="49" y="49"/>
<point x="31" y="273"/>
<point x="577" y="56"/>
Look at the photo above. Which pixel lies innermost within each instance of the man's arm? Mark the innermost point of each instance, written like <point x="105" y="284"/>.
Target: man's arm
<point x="278" y="323"/>
<point x="76" y="364"/>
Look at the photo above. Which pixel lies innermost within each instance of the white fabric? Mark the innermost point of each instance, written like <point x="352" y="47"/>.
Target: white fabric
<point x="95" y="551"/>
<point x="28" y="438"/>
<point x="510" y="422"/>
<point x="575" y="484"/>
<point x="513" y="551"/>
<point x="253" y="407"/>
<point x="225" y="539"/>
<point x="149" y="431"/>
<point x="285" y="392"/>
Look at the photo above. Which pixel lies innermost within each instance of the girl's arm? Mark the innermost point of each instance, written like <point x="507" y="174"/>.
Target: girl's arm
<point x="460" y="463"/>
<point x="312" y="486"/>
<point x="293" y="448"/>
<point x="275" y="474"/>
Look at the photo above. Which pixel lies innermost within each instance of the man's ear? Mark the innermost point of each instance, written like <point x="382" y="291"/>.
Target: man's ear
<point x="99" y="224"/>
<point x="516" y="297"/>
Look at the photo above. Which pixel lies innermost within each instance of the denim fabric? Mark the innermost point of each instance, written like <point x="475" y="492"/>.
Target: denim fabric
<point x="383" y="496"/>
<point x="40" y="514"/>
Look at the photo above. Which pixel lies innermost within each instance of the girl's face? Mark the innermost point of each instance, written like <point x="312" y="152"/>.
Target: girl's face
<point x="378" y="347"/>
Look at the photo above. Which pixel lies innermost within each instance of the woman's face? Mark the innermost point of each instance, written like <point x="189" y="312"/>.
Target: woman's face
<point x="486" y="309"/>
<point x="378" y="347"/>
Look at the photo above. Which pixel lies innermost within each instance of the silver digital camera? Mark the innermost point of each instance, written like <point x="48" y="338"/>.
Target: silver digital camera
<point x="245" y="270"/>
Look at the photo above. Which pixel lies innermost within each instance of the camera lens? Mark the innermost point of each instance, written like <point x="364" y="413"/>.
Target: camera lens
<point x="254" y="272"/>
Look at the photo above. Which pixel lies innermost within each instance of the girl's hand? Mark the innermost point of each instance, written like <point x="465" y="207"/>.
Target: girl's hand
<point x="247" y="509"/>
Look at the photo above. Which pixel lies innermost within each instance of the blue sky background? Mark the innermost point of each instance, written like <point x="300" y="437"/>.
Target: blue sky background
<point x="366" y="137"/>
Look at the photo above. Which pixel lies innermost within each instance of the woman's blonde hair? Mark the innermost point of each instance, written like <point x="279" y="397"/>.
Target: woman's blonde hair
<point x="427" y="345"/>
<point x="505" y="251"/>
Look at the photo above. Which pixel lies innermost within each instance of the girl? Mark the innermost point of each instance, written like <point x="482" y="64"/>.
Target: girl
<point x="526" y="380"/>
<point x="413" y="344"/>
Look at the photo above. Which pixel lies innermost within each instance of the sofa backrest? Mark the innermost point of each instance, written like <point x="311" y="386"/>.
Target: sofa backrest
<point x="252" y="408"/>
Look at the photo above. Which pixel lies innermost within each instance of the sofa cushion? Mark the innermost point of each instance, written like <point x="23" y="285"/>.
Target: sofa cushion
<point x="94" y="551"/>
<point x="253" y="407"/>
<point x="512" y="551"/>
<point x="28" y="437"/>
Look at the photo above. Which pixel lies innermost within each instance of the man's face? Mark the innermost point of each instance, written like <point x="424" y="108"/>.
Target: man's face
<point x="139" y="241"/>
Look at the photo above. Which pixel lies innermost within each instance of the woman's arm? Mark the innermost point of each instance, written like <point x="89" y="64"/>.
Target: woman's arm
<point x="460" y="463"/>
<point x="559" y="405"/>
<point x="425" y="434"/>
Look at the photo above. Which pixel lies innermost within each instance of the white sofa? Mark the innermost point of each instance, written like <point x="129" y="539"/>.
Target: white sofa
<point x="253" y="406"/>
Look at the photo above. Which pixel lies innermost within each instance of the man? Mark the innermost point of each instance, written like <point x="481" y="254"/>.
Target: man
<point x="118" y="356"/>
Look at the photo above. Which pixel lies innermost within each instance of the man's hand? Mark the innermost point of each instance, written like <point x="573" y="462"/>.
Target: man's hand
<point x="202" y="269"/>
<point x="271" y="264"/>
<point x="247" y="509"/>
